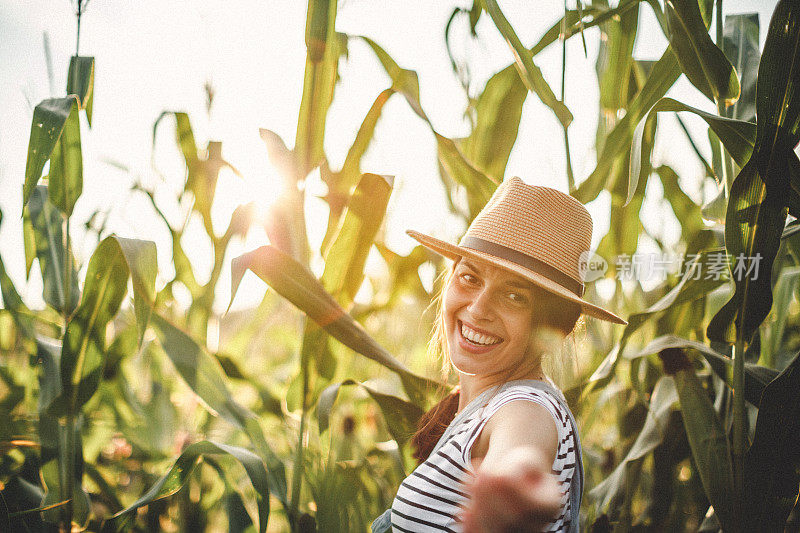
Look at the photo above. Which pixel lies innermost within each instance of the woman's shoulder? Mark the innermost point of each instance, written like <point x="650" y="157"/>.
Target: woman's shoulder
<point x="535" y="391"/>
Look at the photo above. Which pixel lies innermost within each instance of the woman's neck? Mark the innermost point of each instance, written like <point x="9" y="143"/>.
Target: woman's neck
<point x="472" y="385"/>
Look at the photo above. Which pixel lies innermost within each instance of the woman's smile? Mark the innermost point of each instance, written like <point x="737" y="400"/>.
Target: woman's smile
<point x="476" y="340"/>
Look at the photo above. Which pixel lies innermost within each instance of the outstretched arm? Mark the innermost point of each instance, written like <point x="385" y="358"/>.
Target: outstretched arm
<point x="514" y="488"/>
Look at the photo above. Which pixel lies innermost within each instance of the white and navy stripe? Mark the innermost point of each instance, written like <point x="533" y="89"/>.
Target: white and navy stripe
<point x="431" y="498"/>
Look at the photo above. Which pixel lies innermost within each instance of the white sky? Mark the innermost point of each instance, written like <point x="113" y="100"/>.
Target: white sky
<point x="153" y="56"/>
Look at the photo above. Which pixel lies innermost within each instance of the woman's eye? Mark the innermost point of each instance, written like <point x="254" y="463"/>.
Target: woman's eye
<point x="516" y="297"/>
<point x="469" y="278"/>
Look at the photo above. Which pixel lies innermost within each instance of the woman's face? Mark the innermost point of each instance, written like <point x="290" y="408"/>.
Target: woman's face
<point x="488" y="315"/>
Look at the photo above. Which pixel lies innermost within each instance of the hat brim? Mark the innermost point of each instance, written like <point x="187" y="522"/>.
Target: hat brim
<point x="454" y="252"/>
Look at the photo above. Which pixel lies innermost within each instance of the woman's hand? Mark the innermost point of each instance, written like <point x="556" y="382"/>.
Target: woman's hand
<point x="517" y="495"/>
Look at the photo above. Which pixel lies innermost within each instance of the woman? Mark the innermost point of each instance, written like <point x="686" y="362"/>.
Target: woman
<point x="509" y="458"/>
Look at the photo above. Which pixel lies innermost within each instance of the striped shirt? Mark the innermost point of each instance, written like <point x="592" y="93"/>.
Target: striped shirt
<point x="431" y="498"/>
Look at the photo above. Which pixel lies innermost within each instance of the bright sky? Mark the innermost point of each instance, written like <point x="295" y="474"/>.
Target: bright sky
<point x="153" y="56"/>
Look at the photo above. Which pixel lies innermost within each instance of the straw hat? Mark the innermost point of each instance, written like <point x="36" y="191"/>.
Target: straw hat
<point x="536" y="232"/>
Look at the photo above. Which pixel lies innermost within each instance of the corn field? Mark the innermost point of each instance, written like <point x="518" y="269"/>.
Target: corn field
<point x="117" y="413"/>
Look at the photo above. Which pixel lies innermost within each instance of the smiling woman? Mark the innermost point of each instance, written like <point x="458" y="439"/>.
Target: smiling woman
<point x="494" y="319"/>
<point x="502" y="451"/>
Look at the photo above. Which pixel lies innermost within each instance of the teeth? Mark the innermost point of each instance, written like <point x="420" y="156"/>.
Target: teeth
<point x="478" y="338"/>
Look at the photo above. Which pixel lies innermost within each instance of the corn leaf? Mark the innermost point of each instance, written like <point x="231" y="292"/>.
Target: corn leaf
<point x="83" y="354"/>
<point x="341" y="183"/>
<point x="652" y="434"/>
<point x="401" y="416"/>
<point x="54" y="456"/>
<point x="295" y="283"/>
<point x="344" y="263"/>
<point x="12" y="302"/>
<point x="457" y="168"/>
<point x="324" y="48"/>
<point x="738" y="136"/>
<point x="773" y="330"/>
<point x="49" y="119"/>
<point x="663" y="75"/>
<point x="616" y="58"/>
<point x="204" y="375"/>
<point x="756" y="377"/>
<point x="46" y="223"/>
<point x="701" y="60"/>
<point x="531" y="74"/>
<point x="740" y="44"/>
<point x="758" y="197"/>
<point x="80" y="82"/>
<point x="695" y="283"/>
<point x="707" y="437"/>
<point x="498" y="111"/>
<point x="772" y="464"/>
<point x="66" y="165"/>
<point x="179" y="473"/>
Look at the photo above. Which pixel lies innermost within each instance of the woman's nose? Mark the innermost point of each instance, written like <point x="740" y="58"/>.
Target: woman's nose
<point x="480" y="306"/>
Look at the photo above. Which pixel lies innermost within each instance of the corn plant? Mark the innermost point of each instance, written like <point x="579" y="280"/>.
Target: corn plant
<point x="666" y="403"/>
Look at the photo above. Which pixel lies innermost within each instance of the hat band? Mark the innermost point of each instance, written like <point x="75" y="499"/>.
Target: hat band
<point x="523" y="260"/>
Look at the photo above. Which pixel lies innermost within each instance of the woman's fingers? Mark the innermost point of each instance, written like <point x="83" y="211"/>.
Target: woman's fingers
<point x="526" y="499"/>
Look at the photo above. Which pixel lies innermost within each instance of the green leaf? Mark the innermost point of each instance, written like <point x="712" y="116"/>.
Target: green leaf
<point x="47" y="222"/>
<point x="531" y="74"/>
<point x="344" y="263"/>
<point x="662" y="76"/>
<point x="29" y="241"/>
<point x="701" y="60"/>
<point x="325" y="47"/>
<point x="772" y="464"/>
<point x="83" y="355"/>
<point x="351" y="168"/>
<point x="201" y="371"/>
<point x="616" y="59"/>
<point x="778" y="100"/>
<point x="184" y="135"/>
<point x="80" y="82"/>
<point x="756" y="377"/>
<point x="695" y="283"/>
<point x="740" y="44"/>
<point x="498" y="111"/>
<point x="652" y="434"/>
<point x="773" y="330"/>
<point x="54" y="455"/>
<point x="404" y="81"/>
<point x="576" y="22"/>
<point x="688" y="213"/>
<point x="295" y="283"/>
<point x="707" y="437"/>
<point x="753" y="224"/>
<point x="457" y="168"/>
<point x="204" y="375"/>
<point x="401" y="416"/>
<point x="759" y="195"/>
<point x="341" y="183"/>
<point x="624" y="235"/>
<point x="12" y="302"/>
<point x="143" y="265"/>
<point x="738" y="136"/>
<point x="178" y="474"/>
<point x="49" y="119"/>
<point x="66" y="166"/>
<point x="201" y="173"/>
<point x="404" y="272"/>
